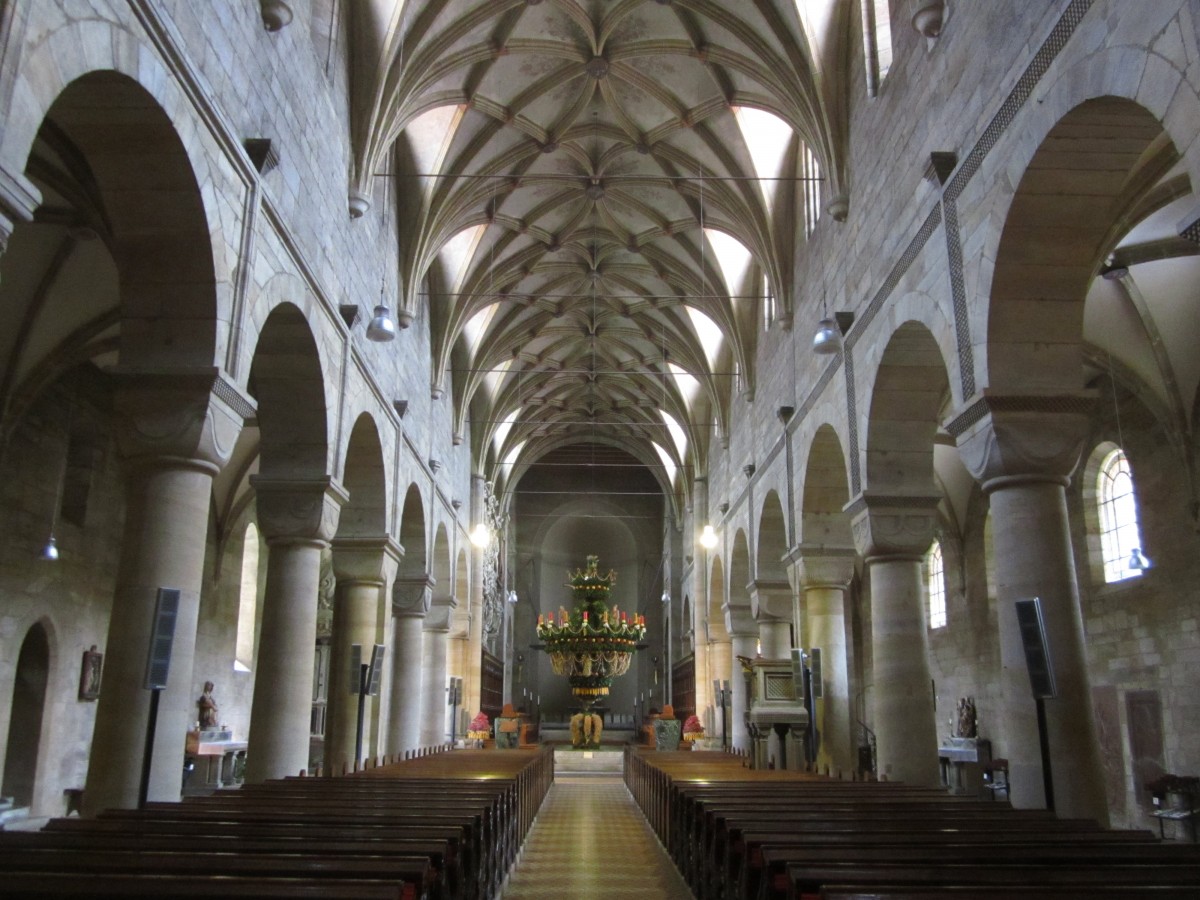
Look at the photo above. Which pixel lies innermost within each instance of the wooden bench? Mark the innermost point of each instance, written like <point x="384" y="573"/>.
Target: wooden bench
<point x="761" y="836"/>
<point x="440" y="826"/>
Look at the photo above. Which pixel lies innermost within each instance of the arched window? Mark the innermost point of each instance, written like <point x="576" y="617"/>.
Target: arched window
<point x="768" y="304"/>
<point x="1120" y="537"/>
<point x="936" y="584"/>
<point x="247" y="602"/>
<point x="877" y="39"/>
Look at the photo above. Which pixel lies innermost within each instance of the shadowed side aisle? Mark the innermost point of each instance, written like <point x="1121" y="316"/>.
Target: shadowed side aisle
<point x="591" y="841"/>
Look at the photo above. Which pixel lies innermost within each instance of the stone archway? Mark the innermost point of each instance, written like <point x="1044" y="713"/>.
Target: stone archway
<point x="364" y="560"/>
<point x="771" y="594"/>
<point x="893" y="523"/>
<point x="823" y="568"/>
<point x="297" y="505"/>
<point x="412" y="596"/>
<point x="25" y="722"/>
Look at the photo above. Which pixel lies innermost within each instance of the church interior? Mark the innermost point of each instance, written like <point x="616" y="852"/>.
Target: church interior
<point x="855" y="335"/>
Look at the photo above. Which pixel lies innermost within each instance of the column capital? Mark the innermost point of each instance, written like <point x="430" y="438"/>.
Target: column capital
<point x="438" y="618"/>
<point x="739" y="620"/>
<point x="893" y="525"/>
<point x="19" y="198"/>
<point x="412" y="595"/>
<point x="821" y="566"/>
<point x="1035" y="436"/>
<point x="179" y="416"/>
<point x="298" y="510"/>
<point x="770" y="601"/>
<point x="370" y="560"/>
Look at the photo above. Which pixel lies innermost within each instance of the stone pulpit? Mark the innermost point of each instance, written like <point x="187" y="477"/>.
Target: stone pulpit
<point x="776" y="708"/>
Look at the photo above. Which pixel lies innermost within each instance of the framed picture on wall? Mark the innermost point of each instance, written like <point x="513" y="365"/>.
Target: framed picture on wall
<point x="89" y="674"/>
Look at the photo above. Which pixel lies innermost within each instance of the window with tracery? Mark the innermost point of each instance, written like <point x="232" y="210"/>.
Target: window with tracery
<point x="935" y="583"/>
<point x="1117" y="503"/>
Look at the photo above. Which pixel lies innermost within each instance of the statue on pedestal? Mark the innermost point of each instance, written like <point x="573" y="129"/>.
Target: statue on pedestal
<point x="208" y="708"/>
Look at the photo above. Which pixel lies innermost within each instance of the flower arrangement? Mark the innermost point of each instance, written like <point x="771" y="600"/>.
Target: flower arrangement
<point x="592" y="644"/>
<point x="480" y="728"/>
<point x="692" y="729"/>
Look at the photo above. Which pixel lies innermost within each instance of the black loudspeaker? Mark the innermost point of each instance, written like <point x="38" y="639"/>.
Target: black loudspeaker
<point x="798" y="672"/>
<point x="355" y="668"/>
<point x="376" y="674"/>
<point x="1037" y="650"/>
<point x="162" y="637"/>
<point x="814" y="666"/>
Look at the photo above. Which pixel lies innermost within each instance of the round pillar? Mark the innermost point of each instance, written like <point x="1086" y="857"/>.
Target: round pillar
<point x="473" y="663"/>
<point x="166" y="525"/>
<point x="172" y="428"/>
<point x="1032" y="546"/>
<point x="297" y="518"/>
<point x="433" y="686"/>
<point x="1023" y="450"/>
<point x="893" y="533"/>
<point x="363" y="567"/>
<point x="404" y="716"/>
<point x="742" y="644"/>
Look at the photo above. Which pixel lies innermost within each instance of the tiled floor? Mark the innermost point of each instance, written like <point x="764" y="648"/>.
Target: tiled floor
<point x="591" y="841"/>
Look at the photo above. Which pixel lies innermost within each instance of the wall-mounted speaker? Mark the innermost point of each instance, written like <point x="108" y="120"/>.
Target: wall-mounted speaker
<point x="162" y="637"/>
<point x="375" y="676"/>
<point x="1037" y="649"/>
<point x="814" y="667"/>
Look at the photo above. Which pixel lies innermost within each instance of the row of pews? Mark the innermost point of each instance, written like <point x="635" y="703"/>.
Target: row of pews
<point x="740" y="834"/>
<point x="441" y="827"/>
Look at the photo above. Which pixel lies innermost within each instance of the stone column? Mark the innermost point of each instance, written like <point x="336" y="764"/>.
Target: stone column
<point x="720" y="659"/>
<point x="771" y="603"/>
<point x="363" y="566"/>
<point x="824" y="575"/>
<point x="434" y="674"/>
<point x="743" y="631"/>
<point x="700" y="604"/>
<point x="297" y="518"/>
<point x="411" y="598"/>
<point x="175" y="430"/>
<point x="894" y="533"/>
<point x="1023" y="449"/>
<point x="473" y="664"/>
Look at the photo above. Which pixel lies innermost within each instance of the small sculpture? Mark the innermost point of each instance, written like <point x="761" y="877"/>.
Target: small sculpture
<point x="967" y="725"/>
<point x="586" y="729"/>
<point x="208" y="708"/>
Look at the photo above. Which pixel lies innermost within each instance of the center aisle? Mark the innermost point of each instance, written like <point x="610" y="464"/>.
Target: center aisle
<point x="591" y="841"/>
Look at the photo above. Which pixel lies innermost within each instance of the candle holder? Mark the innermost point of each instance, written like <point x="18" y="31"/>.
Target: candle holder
<point x="593" y="644"/>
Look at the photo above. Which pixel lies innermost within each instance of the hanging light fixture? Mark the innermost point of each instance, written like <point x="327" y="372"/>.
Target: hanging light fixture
<point x="708" y="537"/>
<point x="828" y="339"/>
<point x="481" y="536"/>
<point x="49" y="552"/>
<point x="381" y="328"/>
<point x="1137" y="562"/>
<point x="666" y="597"/>
<point x="512" y="597"/>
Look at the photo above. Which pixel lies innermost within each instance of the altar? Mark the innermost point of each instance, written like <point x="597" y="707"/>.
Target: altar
<point x="221" y="753"/>
<point x="962" y="761"/>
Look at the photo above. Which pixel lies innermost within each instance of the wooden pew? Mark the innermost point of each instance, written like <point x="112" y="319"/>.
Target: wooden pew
<point x="740" y="834"/>
<point x="439" y="826"/>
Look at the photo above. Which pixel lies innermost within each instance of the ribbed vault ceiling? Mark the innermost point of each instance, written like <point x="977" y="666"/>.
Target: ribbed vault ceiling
<point x="592" y="160"/>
